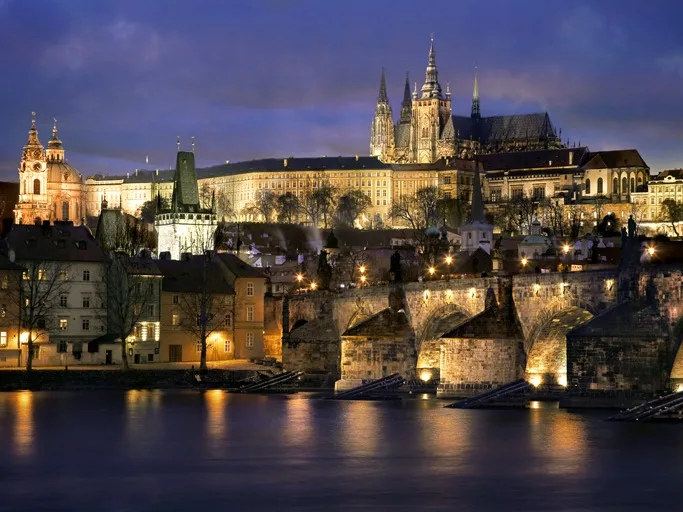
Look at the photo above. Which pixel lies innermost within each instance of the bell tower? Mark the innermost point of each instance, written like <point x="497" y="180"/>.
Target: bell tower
<point x="33" y="202"/>
<point x="382" y="132"/>
<point x="431" y="111"/>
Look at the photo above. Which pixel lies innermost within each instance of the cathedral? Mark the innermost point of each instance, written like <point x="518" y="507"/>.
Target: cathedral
<point x="49" y="188"/>
<point x="427" y="130"/>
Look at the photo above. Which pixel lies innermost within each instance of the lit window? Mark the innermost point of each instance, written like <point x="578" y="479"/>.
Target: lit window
<point x="41" y="275"/>
<point x="3" y="311"/>
<point x="228" y="320"/>
<point x="250" y="289"/>
<point x="199" y="347"/>
<point x="63" y="324"/>
<point x="250" y="313"/>
<point x="227" y="346"/>
<point x="175" y="319"/>
<point x="250" y="339"/>
<point x="86" y="275"/>
<point x="151" y="331"/>
<point x="3" y="339"/>
<point x="85" y="324"/>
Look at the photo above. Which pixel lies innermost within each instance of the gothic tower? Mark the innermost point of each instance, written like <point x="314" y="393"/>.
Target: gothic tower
<point x="402" y="153"/>
<point x="382" y="133"/>
<point x="33" y="205"/>
<point x="431" y="113"/>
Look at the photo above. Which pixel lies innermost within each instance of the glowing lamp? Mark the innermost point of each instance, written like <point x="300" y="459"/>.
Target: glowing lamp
<point x="362" y="269"/>
<point x="432" y="270"/>
<point x="449" y="260"/>
<point x="651" y="251"/>
<point x="299" y="277"/>
<point x="426" y="375"/>
<point x="363" y="279"/>
<point x="562" y="380"/>
<point x="565" y="249"/>
<point x="524" y="262"/>
<point x="314" y="285"/>
<point x="536" y="381"/>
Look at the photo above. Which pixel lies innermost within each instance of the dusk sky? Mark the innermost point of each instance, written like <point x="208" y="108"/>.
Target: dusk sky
<point x="274" y="78"/>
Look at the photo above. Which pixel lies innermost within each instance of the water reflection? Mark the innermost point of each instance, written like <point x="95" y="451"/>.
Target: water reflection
<point x="558" y="438"/>
<point x="297" y="430"/>
<point x="141" y="405"/>
<point x="360" y="430"/>
<point x="446" y="438"/>
<point x="23" y="423"/>
<point x="215" y="401"/>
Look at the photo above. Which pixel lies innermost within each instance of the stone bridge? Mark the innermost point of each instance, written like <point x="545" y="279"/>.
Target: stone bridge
<point x="547" y="306"/>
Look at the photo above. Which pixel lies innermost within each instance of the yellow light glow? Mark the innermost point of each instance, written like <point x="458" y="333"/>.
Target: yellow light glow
<point x="524" y="262"/>
<point x="651" y="251"/>
<point x="425" y="295"/>
<point x="314" y="285"/>
<point x="363" y="279"/>
<point x="362" y="269"/>
<point x="565" y="248"/>
<point x="299" y="277"/>
<point x="473" y="293"/>
<point x="609" y="284"/>
<point x="431" y="271"/>
<point x="24" y="337"/>
<point x="562" y="380"/>
<point x="679" y="388"/>
<point x="537" y="289"/>
<point x="449" y="260"/>
<point x="536" y="381"/>
<point x="426" y="375"/>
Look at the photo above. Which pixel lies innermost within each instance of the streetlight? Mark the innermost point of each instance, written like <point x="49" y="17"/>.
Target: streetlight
<point x="651" y="251"/>
<point x="432" y="270"/>
<point x="449" y="260"/>
<point x="363" y="278"/>
<point x="362" y="269"/>
<point x="524" y="262"/>
<point x="299" y="278"/>
<point x="565" y="248"/>
<point x="314" y="285"/>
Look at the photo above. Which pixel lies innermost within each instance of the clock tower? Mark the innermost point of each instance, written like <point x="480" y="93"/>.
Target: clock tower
<point x="33" y="204"/>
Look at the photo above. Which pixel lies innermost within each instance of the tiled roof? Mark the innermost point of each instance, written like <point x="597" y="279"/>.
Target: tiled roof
<point x="615" y="159"/>
<point x="61" y="242"/>
<point x="239" y="267"/>
<point x="674" y="173"/>
<point x="501" y="128"/>
<point x="534" y="159"/>
<point x="185" y="190"/>
<point x="185" y="276"/>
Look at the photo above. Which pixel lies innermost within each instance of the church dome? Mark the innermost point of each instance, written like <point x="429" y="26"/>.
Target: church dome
<point x="61" y="172"/>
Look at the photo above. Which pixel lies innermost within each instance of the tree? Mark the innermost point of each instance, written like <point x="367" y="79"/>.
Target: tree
<point x="419" y="211"/>
<point x="212" y="197"/>
<point x="201" y="307"/>
<point x="672" y="212"/>
<point x="38" y="292"/>
<point x="319" y="204"/>
<point x="288" y="208"/>
<point x="129" y="290"/>
<point x="454" y="212"/>
<point x="124" y="233"/>
<point x="149" y="209"/>
<point x="517" y="214"/>
<point x="264" y="206"/>
<point x="599" y="203"/>
<point x="351" y="206"/>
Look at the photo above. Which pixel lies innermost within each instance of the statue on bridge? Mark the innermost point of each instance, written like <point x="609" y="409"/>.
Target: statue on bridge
<point x="632" y="227"/>
<point x="395" y="267"/>
<point x="324" y="271"/>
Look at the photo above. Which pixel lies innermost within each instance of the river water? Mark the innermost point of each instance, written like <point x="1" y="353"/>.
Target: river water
<point x="192" y="450"/>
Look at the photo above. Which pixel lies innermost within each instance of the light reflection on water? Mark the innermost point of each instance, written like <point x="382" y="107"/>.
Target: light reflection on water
<point x="190" y="450"/>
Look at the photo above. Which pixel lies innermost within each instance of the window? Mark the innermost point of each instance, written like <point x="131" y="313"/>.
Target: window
<point x="227" y="346"/>
<point x="3" y="339"/>
<point x="517" y="193"/>
<point x="633" y="185"/>
<point x="36" y="351"/>
<point x="86" y="301"/>
<point x="86" y="275"/>
<point x="539" y="192"/>
<point x="151" y="287"/>
<point x="151" y="331"/>
<point x="41" y="323"/>
<point x="63" y="324"/>
<point x="61" y="347"/>
<point x="250" y="313"/>
<point x="588" y="186"/>
<point x="175" y="299"/>
<point x="250" y="289"/>
<point x="150" y="309"/>
<point x="615" y="186"/>
<point x="496" y="194"/>
<point x="624" y="185"/>
<point x="199" y="346"/>
<point x="36" y="187"/>
<point x="228" y="320"/>
<point x="42" y="275"/>
<point x="63" y="301"/>
<point x="3" y="310"/>
<point x="599" y="185"/>
<point x="63" y="275"/>
<point x="175" y="319"/>
<point x="446" y="180"/>
<point x="250" y="339"/>
<point x="85" y="323"/>
<point x="65" y="211"/>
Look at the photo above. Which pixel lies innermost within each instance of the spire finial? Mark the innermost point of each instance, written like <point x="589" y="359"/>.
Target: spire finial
<point x="382" y="98"/>
<point x="448" y="90"/>
<point x="415" y="92"/>
<point x="178" y="143"/>
<point x="476" y="113"/>
<point x="54" y="129"/>
<point x="33" y="120"/>
<point x="192" y="138"/>
<point x="431" y="87"/>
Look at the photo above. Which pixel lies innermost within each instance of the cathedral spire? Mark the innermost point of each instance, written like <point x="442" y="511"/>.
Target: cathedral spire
<point x="431" y="87"/>
<point x="477" y="200"/>
<point x="33" y="133"/>
<point x="55" y="150"/>
<point x="407" y="103"/>
<point x="476" y="114"/>
<point x="382" y="98"/>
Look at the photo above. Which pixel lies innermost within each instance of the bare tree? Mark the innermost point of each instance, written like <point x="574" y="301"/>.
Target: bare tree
<point x="128" y="291"/>
<point x="126" y="234"/>
<point x="264" y="206"/>
<point x="418" y="211"/>
<point x="288" y="208"/>
<point x="599" y="203"/>
<point x="149" y="209"/>
<point x="201" y="307"/>
<point x="211" y="197"/>
<point x="672" y="212"/>
<point x="42" y="284"/>
<point x="319" y="203"/>
<point x="517" y="214"/>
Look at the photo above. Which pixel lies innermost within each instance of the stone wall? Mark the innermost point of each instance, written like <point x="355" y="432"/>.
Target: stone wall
<point x="469" y="366"/>
<point x="617" y="363"/>
<point x="313" y="348"/>
<point x="366" y="358"/>
<point x="272" y="319"/>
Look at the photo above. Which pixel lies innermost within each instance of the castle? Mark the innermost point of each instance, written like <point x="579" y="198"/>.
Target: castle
<point x="427" y="130"/>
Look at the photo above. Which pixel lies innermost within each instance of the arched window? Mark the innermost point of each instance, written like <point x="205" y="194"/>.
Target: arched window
<point x="599" y="185"/>
<point x="640" y="179"/>
<point x="424" y="132"/>
<point x="633" y="184"/>
<point x="615" y="186"/>
<point x="588" y="186"/>
<point x="65" y="210"/>
<point x="36" y="186"/>
<point x="624" y="185"/>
